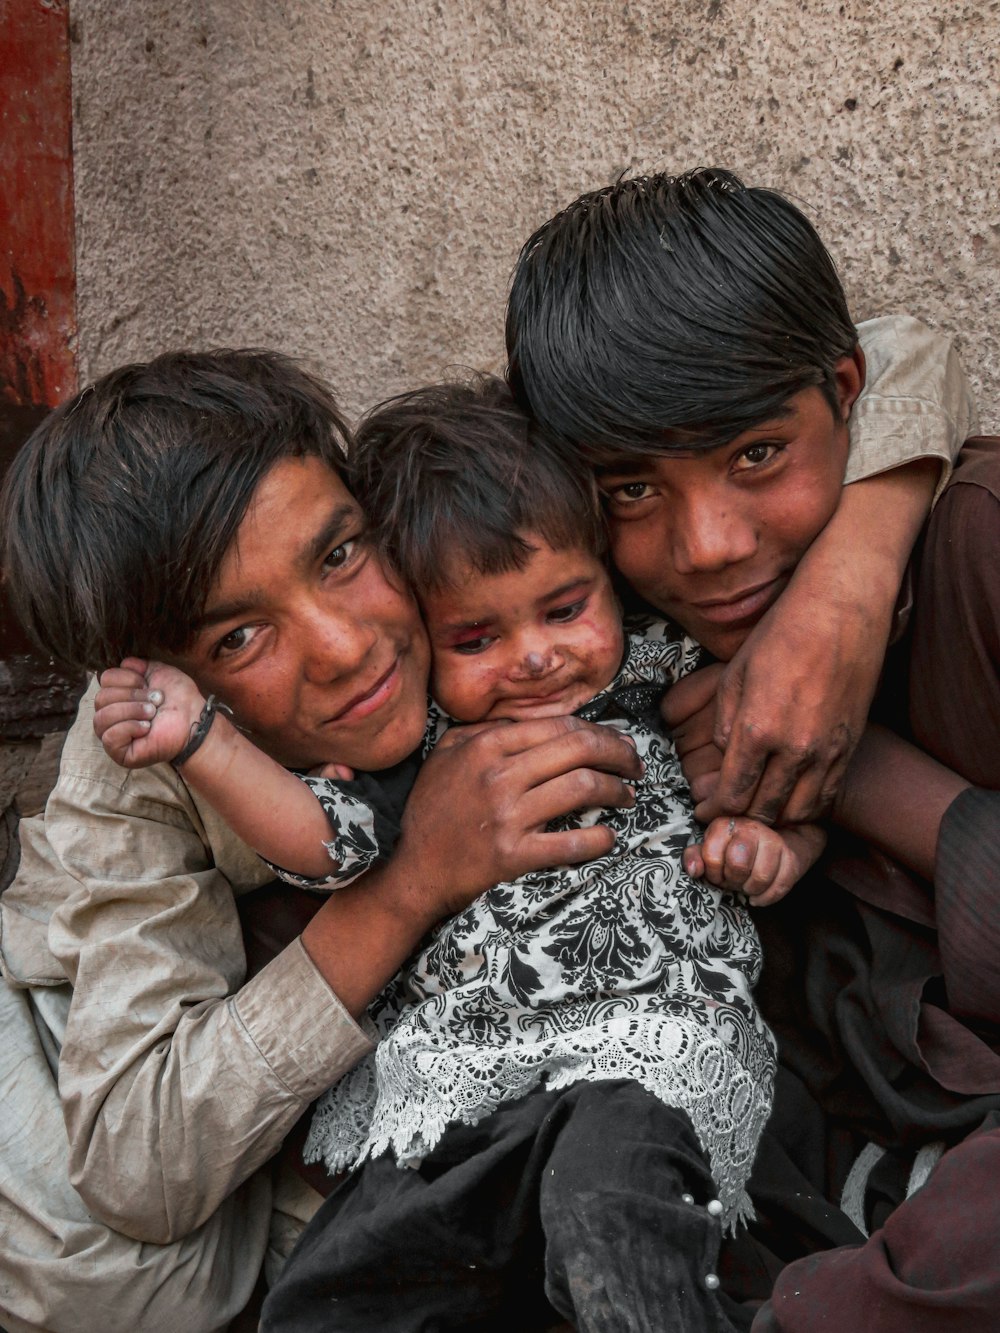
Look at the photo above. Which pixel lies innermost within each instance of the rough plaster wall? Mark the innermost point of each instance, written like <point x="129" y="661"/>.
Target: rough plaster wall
<point x="351" y="179"/>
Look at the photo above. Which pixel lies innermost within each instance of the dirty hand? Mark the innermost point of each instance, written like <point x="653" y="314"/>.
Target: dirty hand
<point x="477" y="815"/>
<point x="744" y="856"/>
<point x="144" y="712"/>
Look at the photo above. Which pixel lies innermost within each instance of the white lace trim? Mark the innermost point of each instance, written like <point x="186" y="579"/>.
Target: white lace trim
<point x="405" y="1097"/>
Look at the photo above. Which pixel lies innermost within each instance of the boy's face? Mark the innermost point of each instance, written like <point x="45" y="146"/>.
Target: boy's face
<point x="319" y="655"/>
<point x="535" y="642"/>
<point x="712" y="539"/>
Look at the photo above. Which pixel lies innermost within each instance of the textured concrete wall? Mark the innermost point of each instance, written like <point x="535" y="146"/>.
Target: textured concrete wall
<point x="351" y="179"/>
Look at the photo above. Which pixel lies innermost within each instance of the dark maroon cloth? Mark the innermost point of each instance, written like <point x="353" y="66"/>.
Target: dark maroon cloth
<point x="885" y="991"/>
<point x="932" y="1268"/>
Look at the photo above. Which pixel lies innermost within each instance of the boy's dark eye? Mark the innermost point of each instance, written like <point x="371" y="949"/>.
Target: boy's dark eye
<point x="234" y="642"/>
<point x="756" y="454"/>
<point x="629" y="492"/>
<point x="340" y="555"/>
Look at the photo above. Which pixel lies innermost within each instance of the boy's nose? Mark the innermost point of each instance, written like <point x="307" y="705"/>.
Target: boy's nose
<point x="708" y="538"/>
<point x="333" y="645"/>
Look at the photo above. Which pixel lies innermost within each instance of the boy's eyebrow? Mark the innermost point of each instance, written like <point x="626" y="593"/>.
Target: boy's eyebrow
<point x="340" y="518"/>
<point x="633" y="466"/>
<point x="317" y="546"/>
<point x="628" y="467"/>
<point x="570" y="586"/>
<point x="215" y="615"/>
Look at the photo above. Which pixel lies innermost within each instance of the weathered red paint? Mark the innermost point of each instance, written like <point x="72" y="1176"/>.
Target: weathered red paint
<point x="37" y="305"/>
<point x="37" y="255"/>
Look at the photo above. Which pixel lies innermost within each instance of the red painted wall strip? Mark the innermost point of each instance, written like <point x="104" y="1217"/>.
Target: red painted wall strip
<point x="37" y="256"/>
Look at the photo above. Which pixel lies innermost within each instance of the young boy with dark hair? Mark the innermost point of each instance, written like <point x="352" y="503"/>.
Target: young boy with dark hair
<point x="666" y="329"/>
<point x="152" y="472"/>
<point x="615" y="999"/>
<point x="628" y="310"/>
<point x="194" y="505"/>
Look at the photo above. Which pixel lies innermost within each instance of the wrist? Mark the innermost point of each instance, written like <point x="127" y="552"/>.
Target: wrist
<point x="407" y="896"/>
<point x="363" y="934"/>
<point x="213" y="753"/>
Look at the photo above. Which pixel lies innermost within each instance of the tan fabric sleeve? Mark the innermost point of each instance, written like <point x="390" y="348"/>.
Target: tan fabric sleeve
<point x="916" y="403"/>
<point x="177" y="1080"/>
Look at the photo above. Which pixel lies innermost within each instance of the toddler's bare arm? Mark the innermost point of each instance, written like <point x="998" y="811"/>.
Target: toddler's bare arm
<point x="146" y="713"/>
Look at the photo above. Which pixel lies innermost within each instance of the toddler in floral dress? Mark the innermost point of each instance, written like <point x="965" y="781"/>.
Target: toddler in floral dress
<point x="572" y="1068"/>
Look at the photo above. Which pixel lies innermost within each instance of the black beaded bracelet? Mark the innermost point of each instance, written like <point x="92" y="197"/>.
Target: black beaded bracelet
<point x="201" y="728"/>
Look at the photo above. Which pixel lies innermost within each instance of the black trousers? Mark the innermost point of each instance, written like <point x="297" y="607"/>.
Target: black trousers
<point x="563" y="1204"/>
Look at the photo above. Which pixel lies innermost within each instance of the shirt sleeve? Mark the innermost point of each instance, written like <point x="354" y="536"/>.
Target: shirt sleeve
<point x="178" y="1081"/>
<point x="355" y="843"/>
<point x="916" y="402"/>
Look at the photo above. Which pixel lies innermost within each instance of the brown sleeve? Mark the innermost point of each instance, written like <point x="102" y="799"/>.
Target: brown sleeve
<point x="967" y="904"/>
<point x="955" y="656"/>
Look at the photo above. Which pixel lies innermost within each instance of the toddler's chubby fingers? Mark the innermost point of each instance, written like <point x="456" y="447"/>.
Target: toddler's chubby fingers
<point x="694" y="863"/>
<point x="736" y="857"/>
<point x="339" y="772"/>
<point x="773" y="894"/>
<point x="134" y="713"/>
<point x="785" y="876"/>
<point x="119" y="678"/>
<point x="113" y="695"/>
<point x="763" y="866"/>
<point x="118" y="738"/>
<point x="715" y="849"/>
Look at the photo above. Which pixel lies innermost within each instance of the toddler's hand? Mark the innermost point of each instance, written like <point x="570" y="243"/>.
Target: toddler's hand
<point x="339" y="772"/>
<point x="744" y="856"/>
<point x="144" y="712"/>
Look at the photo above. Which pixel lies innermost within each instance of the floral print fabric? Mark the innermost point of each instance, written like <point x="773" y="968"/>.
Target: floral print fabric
<point x="624" y="967"/>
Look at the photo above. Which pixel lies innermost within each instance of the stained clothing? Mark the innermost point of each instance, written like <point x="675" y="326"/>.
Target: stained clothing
<point x="593" y="1203"/>
<point x="885" y="994"/>
<point x="121" y="950"/>
<point x="623" y="967"/>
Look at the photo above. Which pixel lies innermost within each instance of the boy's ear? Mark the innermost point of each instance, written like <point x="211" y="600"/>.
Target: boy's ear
<point x="849" y="376"/>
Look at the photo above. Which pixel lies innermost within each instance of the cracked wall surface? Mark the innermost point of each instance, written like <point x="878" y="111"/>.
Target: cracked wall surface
<point x="350" y="180"/>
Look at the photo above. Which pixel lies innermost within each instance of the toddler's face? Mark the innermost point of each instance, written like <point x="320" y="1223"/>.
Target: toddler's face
<point x="532" y="643"/>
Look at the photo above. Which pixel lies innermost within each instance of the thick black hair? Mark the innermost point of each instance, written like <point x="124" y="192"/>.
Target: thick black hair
<point x="453" y="475"/>
<point x="670" y="312"/>
<point x="117" y="512"/>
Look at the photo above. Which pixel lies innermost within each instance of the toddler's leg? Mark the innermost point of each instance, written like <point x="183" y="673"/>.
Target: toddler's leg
<point x="630" y="1244"/>
<point x="454" y="1245"/>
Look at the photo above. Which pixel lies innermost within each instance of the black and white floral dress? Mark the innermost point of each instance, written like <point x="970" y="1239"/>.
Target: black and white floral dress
<point x="624" y="967"/>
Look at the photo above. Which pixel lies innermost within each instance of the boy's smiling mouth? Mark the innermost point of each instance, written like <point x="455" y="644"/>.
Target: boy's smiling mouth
<point x="371" y="699"/>
<point x="750" y="603"/>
